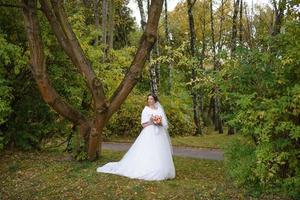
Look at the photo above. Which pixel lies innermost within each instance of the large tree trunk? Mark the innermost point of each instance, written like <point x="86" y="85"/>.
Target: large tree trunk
<point x="90" y="129"/>
<point x="190" y="4"/>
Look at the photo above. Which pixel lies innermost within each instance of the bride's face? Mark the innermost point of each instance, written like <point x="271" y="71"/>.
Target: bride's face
<point x="151" y="100"/>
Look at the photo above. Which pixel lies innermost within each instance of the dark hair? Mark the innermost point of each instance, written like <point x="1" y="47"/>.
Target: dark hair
<point x="154" y="97"/>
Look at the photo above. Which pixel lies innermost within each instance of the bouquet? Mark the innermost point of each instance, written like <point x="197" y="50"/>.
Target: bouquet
<point x="156" y="119"/>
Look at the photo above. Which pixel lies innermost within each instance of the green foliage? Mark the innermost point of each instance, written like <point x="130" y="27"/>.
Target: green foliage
<point x="78" y="147"/>
<point x="11" y="61"/>
<point x="127" y="121"/>
<point x="263" y="91"/>
<point x="240" y="163"/>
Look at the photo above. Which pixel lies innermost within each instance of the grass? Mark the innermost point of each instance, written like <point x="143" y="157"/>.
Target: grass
<point x="51" y="175"/>
<point x="210" y="139"/>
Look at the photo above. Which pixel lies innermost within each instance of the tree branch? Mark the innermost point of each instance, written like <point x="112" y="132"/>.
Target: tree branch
<point x="146" y="44"/>
<point x="38" y="66"/>
<point x="68" y="40"/>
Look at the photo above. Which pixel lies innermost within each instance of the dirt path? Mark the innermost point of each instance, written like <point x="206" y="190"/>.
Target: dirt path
<point x="178" y="151"/>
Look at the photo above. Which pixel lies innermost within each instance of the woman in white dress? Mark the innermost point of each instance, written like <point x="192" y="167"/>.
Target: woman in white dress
<point x="150" y="156"/>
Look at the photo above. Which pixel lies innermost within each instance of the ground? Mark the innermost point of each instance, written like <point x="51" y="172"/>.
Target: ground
<point x="52" y="175"/>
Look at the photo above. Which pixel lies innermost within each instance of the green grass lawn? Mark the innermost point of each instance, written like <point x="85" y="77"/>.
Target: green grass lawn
<point x="50" y="175"/>
<point x="210" y="139"/>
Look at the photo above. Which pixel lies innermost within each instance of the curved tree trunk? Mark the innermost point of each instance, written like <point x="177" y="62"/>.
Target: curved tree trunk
<point x="90" y="129"/>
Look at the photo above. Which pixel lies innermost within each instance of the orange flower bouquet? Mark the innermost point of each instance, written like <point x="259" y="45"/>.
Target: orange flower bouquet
<point x="156" y="119"/>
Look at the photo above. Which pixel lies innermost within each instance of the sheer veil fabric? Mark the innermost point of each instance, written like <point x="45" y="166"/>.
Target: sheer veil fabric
<point x="150" y="156"/>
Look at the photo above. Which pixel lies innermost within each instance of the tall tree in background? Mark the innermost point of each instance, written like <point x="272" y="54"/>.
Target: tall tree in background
<point x="190" y="4"/>
<point x="168" y="41"/>
<point x="104" y="28"/>
<point x="142" y="13"/>
<point x="248" y="36"/>
<point x="279" y="8"/>
<point x="90" y="128"/>
<point x="234" y="26"/>
<point x="236" y="9"/>
<point x="221" y="29"/>
<point x="202" y="57"/>
<point x="217" y="105"/>
<point x="241" y="22"/>
<point x="96" y="15"/>
<point x="111" y="23"/>
<point x="153" y="68"/>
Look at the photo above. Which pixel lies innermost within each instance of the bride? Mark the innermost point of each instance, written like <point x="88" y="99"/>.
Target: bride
<point x="150" y="156"/>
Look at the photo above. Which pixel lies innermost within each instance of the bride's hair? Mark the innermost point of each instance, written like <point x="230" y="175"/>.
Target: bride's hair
<point x="154" y="97"/>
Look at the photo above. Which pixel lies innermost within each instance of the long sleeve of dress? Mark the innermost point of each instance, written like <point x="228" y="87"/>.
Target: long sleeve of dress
<point x="145" y="116"/>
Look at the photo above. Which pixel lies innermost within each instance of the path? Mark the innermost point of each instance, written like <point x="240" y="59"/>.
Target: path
<point x="178" y="151"/>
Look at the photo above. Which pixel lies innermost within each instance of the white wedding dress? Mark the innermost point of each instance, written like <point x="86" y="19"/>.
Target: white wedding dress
<point x="150" y="156"/>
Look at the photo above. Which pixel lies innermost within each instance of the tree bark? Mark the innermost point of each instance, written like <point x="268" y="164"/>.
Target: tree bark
<point x="104" y="28"/>
<point x="279" y="9"/>
<point x="111" y="24"/>
<point x="241" y="22"/>
<point x="96" y="15"/>
<point x="217" y="109"/>
<point x="222" y="17"/>
<point x="213" y="43"/>
<point x="249" y="28"/>
<point x="234" y="26"/>
<point x="167" y="33"/>
<point x="142" y="13"/>
<point x="202" y="57"/>
<point x="90" y="129"/>
<point x="39" y="71"/>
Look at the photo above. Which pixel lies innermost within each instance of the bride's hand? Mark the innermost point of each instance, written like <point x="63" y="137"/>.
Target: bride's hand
<point x="151" y="119"/>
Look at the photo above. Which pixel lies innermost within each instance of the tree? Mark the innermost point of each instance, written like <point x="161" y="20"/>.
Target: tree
<point x="241" y="22"/>
<point x="142" y="13"/>
<point x="168" y="40"/>
<point x="191" y="4"/>
<point x="216" y="99"/>
<point x="104" y="28"/>
<point x="111" y="15"/>
<point x="90" y="128"/>
<point x="279" y="8"/>
<point x="96" y="15"/>
<point x="234" y="25"/>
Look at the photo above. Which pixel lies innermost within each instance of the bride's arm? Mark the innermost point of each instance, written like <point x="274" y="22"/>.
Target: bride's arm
<point x="150" y="122"/>
<point x="146" y="124"/>
<point x="147" y="118"/>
